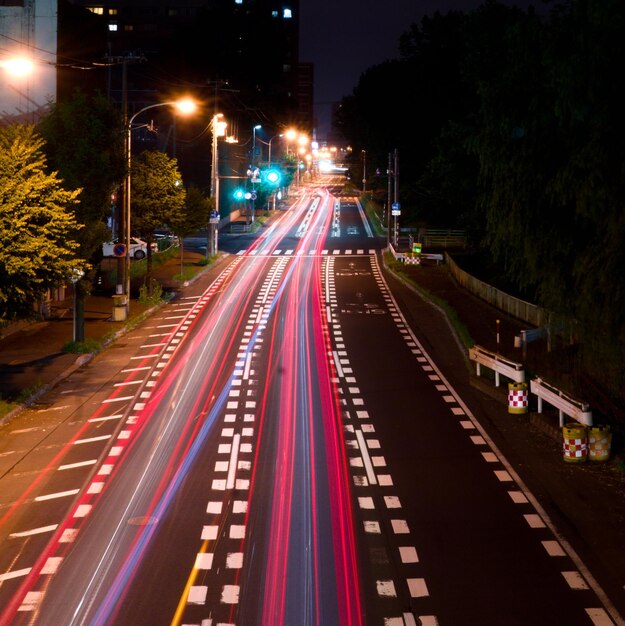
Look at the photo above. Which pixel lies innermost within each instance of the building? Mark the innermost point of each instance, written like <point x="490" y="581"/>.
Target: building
<point x="28" y="56"/>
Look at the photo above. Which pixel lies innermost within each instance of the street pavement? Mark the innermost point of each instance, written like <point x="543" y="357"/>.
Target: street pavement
<point x="586" y="501"/>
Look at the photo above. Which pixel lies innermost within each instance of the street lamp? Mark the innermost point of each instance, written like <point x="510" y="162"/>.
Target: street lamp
<point x="254" y="129"/>
<point x="218" y="128"/>
<point x="257" y="127"/>
<point x="18" y="66"/>
<point x="185" y="106"/>
<point x="364" y="172"/>
<point x="269" y="159"/>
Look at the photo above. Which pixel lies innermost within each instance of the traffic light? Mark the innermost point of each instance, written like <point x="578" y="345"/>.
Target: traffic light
<point x="239" y="194"/>
<point x="273" y="177"/>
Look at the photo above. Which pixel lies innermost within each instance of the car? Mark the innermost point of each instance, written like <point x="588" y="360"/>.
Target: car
<point x="138" y="248"/>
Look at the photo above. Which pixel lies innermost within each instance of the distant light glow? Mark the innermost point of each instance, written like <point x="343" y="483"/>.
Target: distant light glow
<point x="287" y="14"/>
<point x="186" y="106"/>
<point x="18" y="66"/>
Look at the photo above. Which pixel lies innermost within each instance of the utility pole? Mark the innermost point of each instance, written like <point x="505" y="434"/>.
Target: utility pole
<point x="389" y="200"/>
<point x="396" y="194"/>
<point x="211" y="243"/>
<point x="121" y="219"/>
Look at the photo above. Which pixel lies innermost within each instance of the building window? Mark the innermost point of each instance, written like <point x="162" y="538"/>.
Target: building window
<point x="287" y="14"/>
<point x="113" y="28"/>
<point x="274" y="14"/>
<point x="128" y="27"/>
<point x="238" y="1"/>
<point x="112" y="11"/>
<point x="172" y="12"/>
<point x="96" y="10"/>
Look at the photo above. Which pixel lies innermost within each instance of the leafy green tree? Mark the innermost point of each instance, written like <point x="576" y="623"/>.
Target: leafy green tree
<point x="194" y="217"/>
<point x="38" y="227"/>
<point x="84" y="142"/>
<point x="157" y="198"/>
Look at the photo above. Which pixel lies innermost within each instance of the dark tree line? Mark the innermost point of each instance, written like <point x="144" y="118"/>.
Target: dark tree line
<point x="510" y="124"/>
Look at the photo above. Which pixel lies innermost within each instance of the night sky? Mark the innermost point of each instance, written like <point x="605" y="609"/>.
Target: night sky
<point x="345" y="37"/>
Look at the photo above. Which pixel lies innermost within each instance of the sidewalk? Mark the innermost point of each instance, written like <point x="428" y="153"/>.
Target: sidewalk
<point x="32" y="357"/>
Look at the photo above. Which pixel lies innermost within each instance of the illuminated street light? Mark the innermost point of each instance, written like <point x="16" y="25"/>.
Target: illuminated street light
<point x="218" y="128"/>
<point x="185" y="106"/>
<point x="19" y="67"/>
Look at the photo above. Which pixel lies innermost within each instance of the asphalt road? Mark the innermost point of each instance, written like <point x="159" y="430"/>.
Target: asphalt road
<point x="277" y="448"/>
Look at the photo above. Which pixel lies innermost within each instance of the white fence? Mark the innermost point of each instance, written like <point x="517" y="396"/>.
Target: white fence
<point x="566" y="405"/>
<point x="500" y="365"/>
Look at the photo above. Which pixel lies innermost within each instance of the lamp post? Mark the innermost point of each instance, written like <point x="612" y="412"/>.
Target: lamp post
<point x="254" y="129"/>
<point x="364" y="172"/>
<point x="218" y="129"/>
<point x="185" y="107"/>
<point x="269" y="158"/>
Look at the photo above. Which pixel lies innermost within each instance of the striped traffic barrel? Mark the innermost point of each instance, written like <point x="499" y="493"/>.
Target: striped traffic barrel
<point x="574" y="443"/>
<point x="517" y="398"/>
<point x="599" y="443"/>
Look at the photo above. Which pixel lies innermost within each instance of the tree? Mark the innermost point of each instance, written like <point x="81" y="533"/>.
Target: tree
<point x="84" y="142"/>
<point x="38" y="227"/>
<point x="194" y="217"/>
<point x="157" y="196"/>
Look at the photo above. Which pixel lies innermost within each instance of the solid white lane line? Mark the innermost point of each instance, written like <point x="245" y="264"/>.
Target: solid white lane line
<point x="362" y="445"/>
<point x="248" y="363"/>
<point x="337" y="364"/>
<point x="234" y="453"/>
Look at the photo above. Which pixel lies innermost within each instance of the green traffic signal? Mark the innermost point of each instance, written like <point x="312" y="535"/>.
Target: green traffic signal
<point x="239" y="194"/>
<point x="273" y="177"/>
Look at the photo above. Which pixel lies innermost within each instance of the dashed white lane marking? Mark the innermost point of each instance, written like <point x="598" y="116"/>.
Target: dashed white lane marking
<point x="418" y="588"/>
<point x="117" y="399"/>
<point x="230" y="594"/>
<point x="197" y="594"/>
<point x="106" y="418"/>
<point x="35" y="531"/>
<point x="575" y="580"/>
<point x="386" y="588"/>
<point x="79" y="442"/>
<point x="553" y="548"/>
<point x="69" y="466"/>
<point x="204" y="560"/>
<point x="408" y="554"/>
<point x="599" y="617"/>
<point x="18" y="573"/>
<point x="58" y="494"/>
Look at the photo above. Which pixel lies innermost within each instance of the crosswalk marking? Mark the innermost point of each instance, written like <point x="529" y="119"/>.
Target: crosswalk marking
<point x="311" y="252"/>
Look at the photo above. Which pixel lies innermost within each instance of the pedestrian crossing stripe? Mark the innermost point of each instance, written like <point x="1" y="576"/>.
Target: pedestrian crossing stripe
<point x="300" y="252"/>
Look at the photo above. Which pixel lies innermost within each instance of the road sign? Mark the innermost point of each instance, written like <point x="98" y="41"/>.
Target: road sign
<point x="119" y="249"/>
<point x="396" y="208"/>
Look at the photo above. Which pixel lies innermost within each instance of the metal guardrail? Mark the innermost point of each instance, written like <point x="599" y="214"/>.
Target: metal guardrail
<point x="500" y="365"/>
<point x="579" y="411"/>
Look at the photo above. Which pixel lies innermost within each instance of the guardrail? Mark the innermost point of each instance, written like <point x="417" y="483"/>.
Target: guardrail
<point x="579" y="411"/>
<point x="500" y="365"/>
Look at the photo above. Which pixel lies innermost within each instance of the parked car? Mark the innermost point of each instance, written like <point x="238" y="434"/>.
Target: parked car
<point x="138" y="248"/>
